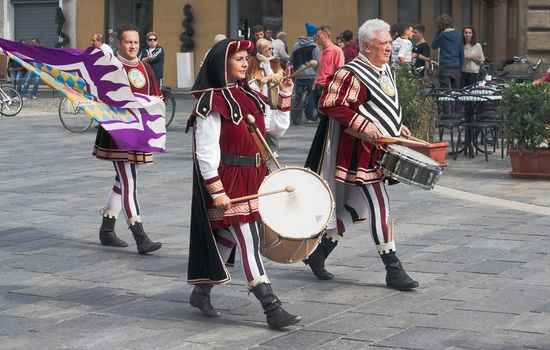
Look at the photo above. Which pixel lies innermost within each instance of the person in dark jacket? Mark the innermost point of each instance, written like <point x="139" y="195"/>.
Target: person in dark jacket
<point x="17" y="72"/>
<point x="154" y="55"/>
<point x="303" y="52"/>
<point x="451" y="53"/>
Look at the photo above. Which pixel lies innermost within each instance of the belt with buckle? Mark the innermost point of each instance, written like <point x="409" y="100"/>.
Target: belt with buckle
<point x="254" y="160"/>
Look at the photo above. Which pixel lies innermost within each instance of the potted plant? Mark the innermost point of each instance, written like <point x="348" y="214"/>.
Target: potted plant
<point x="526" y="128"/>
<point x="419" y="113"/>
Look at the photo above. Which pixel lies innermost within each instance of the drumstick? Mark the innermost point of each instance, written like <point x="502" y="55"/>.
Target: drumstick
<point x="365" y="137"/>
<point x="254" y="196"/>
<point x="250" y="119"/>
<point x="417" y="139"/>
<point x="310" y="64"/>
<point x="382" y="139"/>
<point x="402" y="140"/>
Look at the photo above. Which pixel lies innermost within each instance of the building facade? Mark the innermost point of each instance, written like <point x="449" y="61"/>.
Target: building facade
<point x="506" y="28"/>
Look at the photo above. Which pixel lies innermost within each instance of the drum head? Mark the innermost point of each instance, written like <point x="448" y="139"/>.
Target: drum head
<point x="413" y="155"/>
<point x="300" y="214"/>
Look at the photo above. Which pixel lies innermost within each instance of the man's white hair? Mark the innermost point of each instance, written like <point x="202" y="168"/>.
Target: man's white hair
<point x="369" y="28"/>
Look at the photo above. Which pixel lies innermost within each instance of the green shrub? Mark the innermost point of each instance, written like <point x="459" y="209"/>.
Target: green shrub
<point x="526" y="115"/>
<point x="419" y="111"/>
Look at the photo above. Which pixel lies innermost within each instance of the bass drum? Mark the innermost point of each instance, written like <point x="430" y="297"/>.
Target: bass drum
<point x="292" y="223"/>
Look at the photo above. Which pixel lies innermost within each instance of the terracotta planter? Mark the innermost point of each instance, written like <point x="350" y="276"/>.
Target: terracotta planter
<point x="436" y="151"/>
<point x="530" y="164"/>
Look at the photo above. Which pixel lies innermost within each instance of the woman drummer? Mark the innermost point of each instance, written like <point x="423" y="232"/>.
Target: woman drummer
<point x="228" y="164"/>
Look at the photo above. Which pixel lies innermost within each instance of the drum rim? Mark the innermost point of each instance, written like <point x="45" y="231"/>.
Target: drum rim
<point x="408" y="181"/>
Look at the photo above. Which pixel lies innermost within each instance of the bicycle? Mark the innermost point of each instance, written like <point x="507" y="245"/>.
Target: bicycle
<point x="11" y="102"/>
<point x="432" y="69"/>
<point x="75" y="120"/>
<point x="520" y="70"/>
<point x="73" y="117"/>
<point x="427" y="82"/>
<point x="170" y="103"/>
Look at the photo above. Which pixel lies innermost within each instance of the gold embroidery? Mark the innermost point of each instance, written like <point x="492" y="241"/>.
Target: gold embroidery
<point x="386" y="84"/>
<point x="120" y="155"/>
<point x="136" y="78"/>
<point x="360" y="176"/>
<point x="214" y="187"/>
<point x="245" y="208"/>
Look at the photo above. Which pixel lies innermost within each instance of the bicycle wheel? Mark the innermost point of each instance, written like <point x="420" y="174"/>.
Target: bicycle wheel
<point x="296" y="115"/>
<point x="11" y="103"/>
<point x="297" y="108"/>
<point x="73" y="117"/>
<point x="170" y="103"/>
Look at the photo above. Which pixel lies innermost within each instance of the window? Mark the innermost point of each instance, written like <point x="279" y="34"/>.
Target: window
<point x="367" y="9"/>
<point x="443" y="7"/>
<point x="466" y="12"/>
<point x="408" y="11"/>
<point x="120" y="12"/>
<point x="268" y="13"/>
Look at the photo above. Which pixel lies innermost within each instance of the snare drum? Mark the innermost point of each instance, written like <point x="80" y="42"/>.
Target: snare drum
<point x="409" y="166"/>
<point x="292" y="223"/>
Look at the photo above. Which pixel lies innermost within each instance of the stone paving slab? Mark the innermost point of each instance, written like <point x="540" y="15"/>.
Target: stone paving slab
<point x="483" y="268"/>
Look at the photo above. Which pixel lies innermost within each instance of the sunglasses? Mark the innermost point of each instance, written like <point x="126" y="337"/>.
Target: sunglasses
<point x="152" y="39"/>
<point x="324" y="29"/>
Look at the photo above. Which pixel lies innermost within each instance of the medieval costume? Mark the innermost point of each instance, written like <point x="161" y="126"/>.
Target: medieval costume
<point x="123" y="195"/>
<point x="358" y="94"/>
<point x="228" y="161"/>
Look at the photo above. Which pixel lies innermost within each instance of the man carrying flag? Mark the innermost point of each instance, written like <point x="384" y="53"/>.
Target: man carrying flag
<point x="122" y="95"/>
<point x="123" y="195"/>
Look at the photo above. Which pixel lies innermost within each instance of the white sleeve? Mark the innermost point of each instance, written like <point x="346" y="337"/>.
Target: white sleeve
<point x="207" y="136"/>
<point x="277" y="121"/>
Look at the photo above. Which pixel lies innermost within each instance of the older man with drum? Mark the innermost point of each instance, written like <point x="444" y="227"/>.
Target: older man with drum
<point x="362" y="98"/>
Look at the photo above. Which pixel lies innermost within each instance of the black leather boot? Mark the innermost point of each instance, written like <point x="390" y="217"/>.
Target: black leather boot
<point x="200" y="298"/>
<point x="276" y="316"/>
<point x="316" y="260"/>
<point x="396" y="277"/>
<point x="144" y="244"/>
<point x="107" y="234"/>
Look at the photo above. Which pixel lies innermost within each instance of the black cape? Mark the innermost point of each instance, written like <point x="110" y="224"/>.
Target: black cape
<point x="205" y="263"/>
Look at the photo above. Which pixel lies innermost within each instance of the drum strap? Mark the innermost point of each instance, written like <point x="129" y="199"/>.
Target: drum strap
<point x="263" y="152"/>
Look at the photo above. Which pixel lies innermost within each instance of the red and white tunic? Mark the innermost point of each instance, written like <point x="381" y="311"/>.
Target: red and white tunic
<point x="354" y="98"/>
<point x="217" y="135"/>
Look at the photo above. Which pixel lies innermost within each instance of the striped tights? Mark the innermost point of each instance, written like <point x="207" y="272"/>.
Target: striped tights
<point x="123" y="195"/>
<point x="247" y="237"/>
<point x="359" y="203"/>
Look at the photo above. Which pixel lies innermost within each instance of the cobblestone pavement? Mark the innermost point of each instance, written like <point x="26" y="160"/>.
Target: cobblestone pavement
<point x="478" y="245"/>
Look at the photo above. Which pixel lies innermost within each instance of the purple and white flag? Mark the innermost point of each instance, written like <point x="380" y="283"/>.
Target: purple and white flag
<point x="96" y="82"/>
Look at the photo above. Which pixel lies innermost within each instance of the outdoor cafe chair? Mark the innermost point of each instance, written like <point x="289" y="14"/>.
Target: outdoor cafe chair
<point x="484" y="125"/>
<point x="450" y="115"/>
